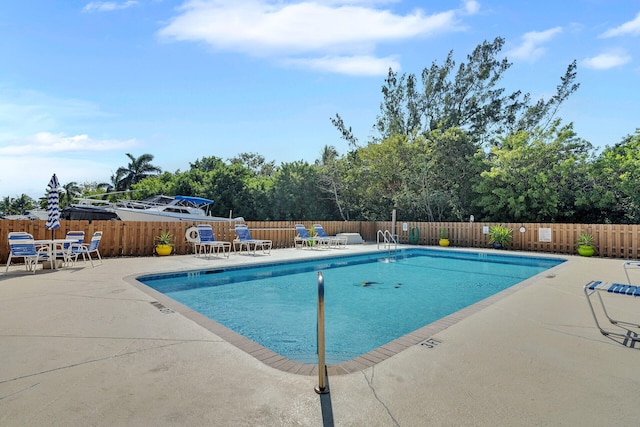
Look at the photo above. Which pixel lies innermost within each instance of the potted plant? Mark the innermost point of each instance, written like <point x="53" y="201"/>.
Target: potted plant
<point x="585" y="244"/>
<point x="164" y="243"/>
<point x="500" y="236"/>
<point x="444" y="237"/>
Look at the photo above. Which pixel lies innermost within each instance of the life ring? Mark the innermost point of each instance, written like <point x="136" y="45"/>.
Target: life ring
<point x="414" y="235"/>
<point x="192" y="235"/>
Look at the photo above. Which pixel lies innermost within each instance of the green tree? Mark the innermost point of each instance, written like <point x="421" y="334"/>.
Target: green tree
<point x="425" y="177"/>
<point x="331" y="179"/>
<point x="17" y="205"/>
<point x="256" y="163"/>
<point x="534" y="177"/>
<point x="294" y="194"/>
<point x="613" y="194"/>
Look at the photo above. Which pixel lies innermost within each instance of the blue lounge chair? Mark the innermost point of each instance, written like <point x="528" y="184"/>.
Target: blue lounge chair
<point x="22" y="245"/>
<point x="334" y="241"/>
<point x="87" y="250"/>
<point x="207" y="243"/>
<point x="612" y="289"/>
<point x="244" y="241"/>
<point x="304" y="239"/>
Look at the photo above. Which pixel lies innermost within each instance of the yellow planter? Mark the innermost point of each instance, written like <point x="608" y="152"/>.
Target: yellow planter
<point x="444" y="242"/>
<point x="163" y="249"/>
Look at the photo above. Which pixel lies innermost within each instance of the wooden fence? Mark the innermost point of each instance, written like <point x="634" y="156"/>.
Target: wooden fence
<point x="122" y="238"/>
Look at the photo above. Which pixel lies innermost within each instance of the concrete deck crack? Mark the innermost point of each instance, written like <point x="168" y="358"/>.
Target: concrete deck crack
<point x="73" y="365"/>
<point x="375" y="395"/>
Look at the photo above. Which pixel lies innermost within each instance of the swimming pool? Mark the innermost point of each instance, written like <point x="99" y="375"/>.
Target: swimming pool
<point x="370" y="299"/>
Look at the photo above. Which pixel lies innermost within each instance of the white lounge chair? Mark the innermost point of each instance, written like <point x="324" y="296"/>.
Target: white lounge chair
<point x="207" y="243"/>
<point x="613" y="289"/>
<point x="334" y="241"/>
<point x="244" y="241"/>
<point x="304" y="239"/>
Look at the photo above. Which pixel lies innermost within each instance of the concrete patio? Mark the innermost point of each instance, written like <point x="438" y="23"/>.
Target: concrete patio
<point x="82" y="346"/>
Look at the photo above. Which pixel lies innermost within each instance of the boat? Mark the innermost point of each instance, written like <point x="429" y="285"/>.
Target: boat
<point x="33" y="214"/>
<point x="169" y="208"/>
<point x="87" y="209"/>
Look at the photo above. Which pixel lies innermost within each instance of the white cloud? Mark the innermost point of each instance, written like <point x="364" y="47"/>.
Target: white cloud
<point x="604" y="61"/>
<point x="318" y="30"/>
<point x="108" y="6"/>
<point x="631" y="27"/>
<point x="530" y="49"/>
<point x="28" y="163"/>
<point x="471" y="7"/>
<point x="45" y="142"/>
<point x="353" y="65"/>
<point x="14" y="181"/>
<point x="32" y="147"/>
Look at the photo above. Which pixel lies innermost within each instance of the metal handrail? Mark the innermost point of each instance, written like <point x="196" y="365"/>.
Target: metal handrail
<point x="322" y="387"/>
<point x="387" y="238"/>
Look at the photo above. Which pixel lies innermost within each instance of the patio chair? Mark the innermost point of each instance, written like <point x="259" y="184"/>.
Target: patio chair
<point x="22" y="245"/>
<point x="86" y="250"/>
<point x="65" y="251"/>
<point x="207" y="243"/>
<point x="244" y="240"/>
<point x="304" y="239"/>
<point x="613" y="289"/>
<point x="334" y="241"/>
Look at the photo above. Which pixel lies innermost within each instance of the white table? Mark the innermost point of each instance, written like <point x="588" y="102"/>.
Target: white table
<point x="51" y="247"/>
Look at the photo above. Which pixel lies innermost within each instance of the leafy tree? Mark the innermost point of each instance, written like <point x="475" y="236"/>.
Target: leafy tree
<point x="446" y="169"/>
<point x="294" y="194"/>
<point x="16" y="206"/>
<point x="331" y="179"/>
<point x="426" y="178"/>
<point x="613" y="194"/>
<point x="534" y="177"/>
<point x="256" y="163"/>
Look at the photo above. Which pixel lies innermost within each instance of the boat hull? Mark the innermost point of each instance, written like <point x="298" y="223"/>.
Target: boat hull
<point x="126" y="214"/>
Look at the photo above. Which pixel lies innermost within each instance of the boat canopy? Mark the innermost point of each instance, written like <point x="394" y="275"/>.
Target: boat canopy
<point x="194" y="200"/>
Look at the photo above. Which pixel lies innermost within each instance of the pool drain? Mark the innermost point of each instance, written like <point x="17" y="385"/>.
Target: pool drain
<point x="162" y="308"/>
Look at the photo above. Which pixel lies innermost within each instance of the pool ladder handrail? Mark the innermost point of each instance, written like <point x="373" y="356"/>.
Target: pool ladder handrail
<point x="387" y="238"/>
<point x="322" y="387"/>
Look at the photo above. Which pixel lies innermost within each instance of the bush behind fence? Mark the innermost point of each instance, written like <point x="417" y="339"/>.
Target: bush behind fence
<point x="122" y="238"/>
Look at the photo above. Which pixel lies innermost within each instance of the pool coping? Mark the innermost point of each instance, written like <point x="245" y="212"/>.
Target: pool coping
<point x="423" y="336"/>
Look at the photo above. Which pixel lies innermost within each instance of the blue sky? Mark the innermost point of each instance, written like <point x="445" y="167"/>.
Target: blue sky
<point x="84" y="82"/>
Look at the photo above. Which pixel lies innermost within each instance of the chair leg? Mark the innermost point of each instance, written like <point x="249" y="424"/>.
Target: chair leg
<point x="99" y="257"/>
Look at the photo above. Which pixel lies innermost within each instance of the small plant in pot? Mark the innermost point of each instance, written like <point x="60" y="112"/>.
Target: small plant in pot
<point x="444" y="237"/>
<point x="164" y="243"/>
<point x="585" y="244"/>
<point x="500" y="236"/>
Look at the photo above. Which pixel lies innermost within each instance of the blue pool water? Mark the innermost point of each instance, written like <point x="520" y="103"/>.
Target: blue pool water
<point x="370" y="299"/>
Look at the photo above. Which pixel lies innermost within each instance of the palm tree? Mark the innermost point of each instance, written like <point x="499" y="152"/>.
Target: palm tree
<point x="137" y="170"/>
<point x="5" y="206"/>
<point x="69" y="191"/>
<point x="21" y="204"/>
<point x="328" y="155"/>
